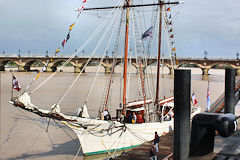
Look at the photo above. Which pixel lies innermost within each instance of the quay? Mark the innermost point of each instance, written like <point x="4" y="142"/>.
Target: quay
<point x="224" y="148"/>
<point x="213" y="136"/>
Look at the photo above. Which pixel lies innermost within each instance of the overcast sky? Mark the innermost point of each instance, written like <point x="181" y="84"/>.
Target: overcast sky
<point x="40" y="25"/>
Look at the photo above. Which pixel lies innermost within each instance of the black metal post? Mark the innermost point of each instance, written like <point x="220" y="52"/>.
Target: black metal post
<point x="182" y="88"/>
<point x="230" y="90"/>
<point x="204" y="126"/>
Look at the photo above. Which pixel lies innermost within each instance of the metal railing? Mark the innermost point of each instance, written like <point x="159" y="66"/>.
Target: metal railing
<point x="218" y="105"/>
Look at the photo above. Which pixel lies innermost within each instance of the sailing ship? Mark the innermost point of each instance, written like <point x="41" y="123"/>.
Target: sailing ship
<point x="100" y="136"/>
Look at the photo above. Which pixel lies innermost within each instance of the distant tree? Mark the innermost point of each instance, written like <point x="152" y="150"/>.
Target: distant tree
<point x="237" y="54"/>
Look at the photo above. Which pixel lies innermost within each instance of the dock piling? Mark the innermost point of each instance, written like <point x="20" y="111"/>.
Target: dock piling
<point x="182" y="88"/>
<point x="230" y="74"/>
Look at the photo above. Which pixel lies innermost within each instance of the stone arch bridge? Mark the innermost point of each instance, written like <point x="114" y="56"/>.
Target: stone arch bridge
<point x="24" y="63"/>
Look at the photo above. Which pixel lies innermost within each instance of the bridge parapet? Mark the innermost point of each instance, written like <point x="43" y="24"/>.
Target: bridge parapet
<point x="24" y="63"/>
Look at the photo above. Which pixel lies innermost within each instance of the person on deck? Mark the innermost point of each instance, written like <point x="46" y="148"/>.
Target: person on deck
<point x="130" y="118"/>
<point x="140" y="119"/>
<point x="122" y="118"/>
<point x="153" y="154"/>
<point x="156" y="140"/>
<point x="134" y="118"/>
<point x="106" y="115"/>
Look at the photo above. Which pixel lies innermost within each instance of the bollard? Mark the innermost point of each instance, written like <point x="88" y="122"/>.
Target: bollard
<point x="182" y="88"/>
<point x="204" y="126"/>
<point x="230" y="90"/>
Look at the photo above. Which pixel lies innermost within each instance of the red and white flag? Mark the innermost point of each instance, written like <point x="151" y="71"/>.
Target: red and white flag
<point x="15" y="84"/>
<point x="194" y="99"/>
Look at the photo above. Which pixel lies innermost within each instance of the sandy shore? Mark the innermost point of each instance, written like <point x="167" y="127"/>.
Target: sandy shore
<point x="23" y="134"/>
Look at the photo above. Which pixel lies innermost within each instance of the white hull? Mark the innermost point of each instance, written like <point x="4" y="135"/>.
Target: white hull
<point x="99" y="136"/>
<point x="112" y="136"/>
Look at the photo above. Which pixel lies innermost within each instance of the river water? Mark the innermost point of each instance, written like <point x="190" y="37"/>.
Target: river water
<point x="23" y="134"/>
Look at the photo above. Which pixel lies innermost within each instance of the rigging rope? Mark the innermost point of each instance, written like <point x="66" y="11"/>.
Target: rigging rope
<point x="138" y="50"/>
<point x="129" y="74"/>
<point x="85" y="64"/>
<point x="84" y="45"/>
<point x="115" y="50"/>
<point x="108" y="43"/>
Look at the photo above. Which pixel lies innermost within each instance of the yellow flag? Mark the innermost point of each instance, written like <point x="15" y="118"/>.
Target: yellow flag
<point x="38" y="75"/>
<point x="70" y="28"/>
<point x="174" y="49"/>
<point x="51" y="60"/>
<point x="57" y="50"/>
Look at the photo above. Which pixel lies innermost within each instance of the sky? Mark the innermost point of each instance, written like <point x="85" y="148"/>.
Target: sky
<point x="41" y="25"/>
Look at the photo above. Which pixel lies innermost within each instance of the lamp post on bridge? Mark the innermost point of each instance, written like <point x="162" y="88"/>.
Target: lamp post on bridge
<point x="107" y="57"/>
<point x="47" y="53"/>
<point x="83" y="52"/>
<point x="19" y="51"/>
<point x="237" y="54"/>
<point x="205" y="54"/>
<point x="75" y="53"/>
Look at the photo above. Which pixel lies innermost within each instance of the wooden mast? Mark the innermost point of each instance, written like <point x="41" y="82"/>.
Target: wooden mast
<point x="125" y="59"/>
<point x="159" y="52"/>
<point x="127" y="6"/>
<point x="143" y="90"/>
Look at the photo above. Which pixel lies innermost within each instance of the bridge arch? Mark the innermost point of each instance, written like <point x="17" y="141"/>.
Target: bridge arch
<point x="190" y="63"/>
<point x="199" y="68"/>
<point x="29" y="63"/>
<point x="119" y="67"/>
<point x="227" y="65"/>
<point x="166" y="67"/>
<point x="93" y="66"/>
<point x="52" y="66"/>
<point x="3" y="64"/>
<point x="149" y="63"/>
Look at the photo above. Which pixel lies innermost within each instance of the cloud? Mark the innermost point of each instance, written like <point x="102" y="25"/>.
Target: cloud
<point x="200" y="25"/>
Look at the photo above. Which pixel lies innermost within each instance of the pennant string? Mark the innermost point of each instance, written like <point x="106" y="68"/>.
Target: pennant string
<point x="63" y="44"/>
<point x="72" y="25"/>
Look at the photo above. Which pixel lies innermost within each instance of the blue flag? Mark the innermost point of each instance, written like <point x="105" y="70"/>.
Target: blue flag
<point x="208" y="98"/>
<point x="147" y="34"/>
